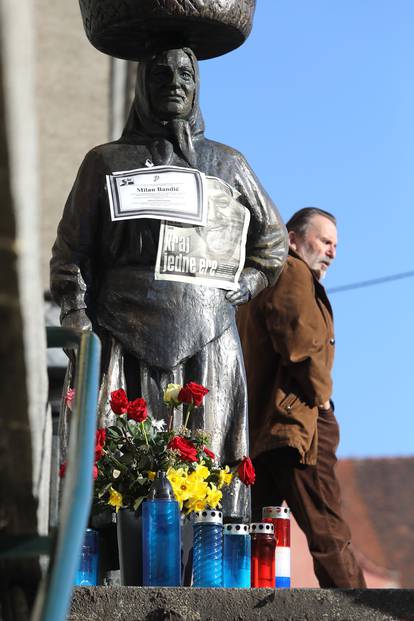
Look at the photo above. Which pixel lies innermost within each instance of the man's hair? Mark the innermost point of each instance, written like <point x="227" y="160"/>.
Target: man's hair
<point x="300" y="220"/>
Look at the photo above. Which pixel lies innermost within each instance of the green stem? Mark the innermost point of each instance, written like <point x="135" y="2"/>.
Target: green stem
<point x="189" y="410"/>
<point x="171" y="418"/>
<point x="145" y="433"/>
<point x="115" y="461"/>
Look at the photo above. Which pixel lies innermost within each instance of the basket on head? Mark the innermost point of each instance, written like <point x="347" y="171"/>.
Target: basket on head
<point x="130" y="29"/>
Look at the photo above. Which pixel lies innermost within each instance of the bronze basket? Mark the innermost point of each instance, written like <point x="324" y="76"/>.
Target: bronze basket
<point x="130" y="29"/>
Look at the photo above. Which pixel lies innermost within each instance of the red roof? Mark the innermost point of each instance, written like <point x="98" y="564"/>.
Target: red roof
<point x="378" y="504"/>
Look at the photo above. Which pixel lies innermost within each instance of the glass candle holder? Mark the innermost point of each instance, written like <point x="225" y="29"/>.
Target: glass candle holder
<point x="263" y="555"/>
<point x="161" y="536"/>
<point x="236" y="556"/>
<point x="208" y="549"/>
<point x="280" y="518"/>
<point x="88" y="569"/>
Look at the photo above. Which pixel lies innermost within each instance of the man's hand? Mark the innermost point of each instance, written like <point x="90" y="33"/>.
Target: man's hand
<point x="77" y="320"/>
<point x="325" y="406"/>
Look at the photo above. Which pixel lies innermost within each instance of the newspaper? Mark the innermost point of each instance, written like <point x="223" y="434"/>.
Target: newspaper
<point x="161" y="192"/>
<point x="211" y="255"/>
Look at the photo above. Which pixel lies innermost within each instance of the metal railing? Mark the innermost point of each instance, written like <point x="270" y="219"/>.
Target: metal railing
<point x="54" y="595"/>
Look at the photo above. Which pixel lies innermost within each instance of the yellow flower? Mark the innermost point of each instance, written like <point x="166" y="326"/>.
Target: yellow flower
<point x="195" y="504"/>
<point x="180" y="502"/>
<point x="181" y="489"/>
<point x="214" y="496"/>
<point x="198" y="488"/>
<point x="175" y="475"/>
<point x="115" y="499"/>
<point x="171" y="394"/>
<point x="180" y="484"/>
<point x="151" y="475"/>
<point x="225" y="477"/>
<point x="178" y="495"/>
<point x="200" y="473"/>
<point x="184" y="490"/>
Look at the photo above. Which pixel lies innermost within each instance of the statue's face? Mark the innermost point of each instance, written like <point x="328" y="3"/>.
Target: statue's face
<point x="172" y="85"/>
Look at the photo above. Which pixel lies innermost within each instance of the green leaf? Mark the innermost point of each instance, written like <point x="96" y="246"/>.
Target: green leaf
<point x="137" y="502"/>
<point x="113" y="431"/>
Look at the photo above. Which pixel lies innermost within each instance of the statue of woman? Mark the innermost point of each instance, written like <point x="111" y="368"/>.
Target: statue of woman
<point x="156" y="332"/>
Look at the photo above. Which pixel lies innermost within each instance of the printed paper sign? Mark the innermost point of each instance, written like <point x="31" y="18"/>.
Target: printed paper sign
<point x="161" y="192"/>
<point x="211" y="255"/>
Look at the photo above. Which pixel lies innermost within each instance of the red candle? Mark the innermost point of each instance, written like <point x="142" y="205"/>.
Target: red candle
<point x="263" y="555"/>
<point x="280" y="518"/>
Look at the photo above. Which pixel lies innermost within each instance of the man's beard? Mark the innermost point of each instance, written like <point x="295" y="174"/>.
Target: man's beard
<point x="315" y="262"/>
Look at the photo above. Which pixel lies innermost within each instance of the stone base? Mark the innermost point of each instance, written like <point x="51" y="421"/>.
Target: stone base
<point x="190" y="604"/>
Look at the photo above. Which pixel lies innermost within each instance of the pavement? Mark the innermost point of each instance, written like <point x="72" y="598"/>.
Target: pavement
<point x="194" y="604"/>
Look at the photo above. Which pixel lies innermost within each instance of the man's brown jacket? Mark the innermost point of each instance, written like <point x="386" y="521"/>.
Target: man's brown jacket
<point x="288" y="344"/>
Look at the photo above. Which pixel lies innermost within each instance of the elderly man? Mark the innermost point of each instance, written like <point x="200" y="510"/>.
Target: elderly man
<point x="156" y="332"/>
<point x="288" y="342"/>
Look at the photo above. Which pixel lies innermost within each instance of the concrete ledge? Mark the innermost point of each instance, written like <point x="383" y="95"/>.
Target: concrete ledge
<point x="190" y="604"/>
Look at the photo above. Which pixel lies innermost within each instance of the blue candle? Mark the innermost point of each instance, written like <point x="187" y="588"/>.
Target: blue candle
<point x="87" y="573"/>
<point x="236" y="557"/>
<point x="208" y="549"/>
<point x="161" y="535"/>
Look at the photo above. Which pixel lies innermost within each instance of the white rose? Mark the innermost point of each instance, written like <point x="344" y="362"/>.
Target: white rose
<point x="171" y="394"/>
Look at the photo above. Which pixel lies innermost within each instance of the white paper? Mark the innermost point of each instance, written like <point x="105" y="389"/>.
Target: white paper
<point x="213" y="255"/>
<point x="161" y="192"/>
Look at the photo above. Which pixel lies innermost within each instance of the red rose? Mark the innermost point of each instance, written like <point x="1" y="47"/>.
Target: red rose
<point x="119" y="401"/>
<point x="192" y="393"/>
<point x="185" y="395"/>
<point x="98" y="452"/>
<point x="209" y="453"/>
<point x="246" y="471"/>
<point x="100" y="436"/>
<point x="137" y="410"/>
<point x="62" y="470"/>
<point x="95" y="473"/>
<point x="187" y="450"/>
<point x="69" y="397"/>
<point x="99" y="443"/>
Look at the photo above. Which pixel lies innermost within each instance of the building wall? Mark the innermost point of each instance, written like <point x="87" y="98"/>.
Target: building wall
<point x="72" y="94"/>
<point x="24" y="417"/>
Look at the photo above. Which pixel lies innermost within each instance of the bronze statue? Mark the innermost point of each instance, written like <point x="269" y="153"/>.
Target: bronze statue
<point x="157" y="332"/>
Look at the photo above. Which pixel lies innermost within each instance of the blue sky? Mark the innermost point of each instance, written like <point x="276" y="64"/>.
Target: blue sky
<point x="320" y="100"/>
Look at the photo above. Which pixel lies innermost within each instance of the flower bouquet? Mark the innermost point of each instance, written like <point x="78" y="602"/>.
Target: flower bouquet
<point x="129" y="454"/>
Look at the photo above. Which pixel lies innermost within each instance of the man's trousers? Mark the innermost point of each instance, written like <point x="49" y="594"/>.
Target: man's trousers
<point x="313" y="495"/>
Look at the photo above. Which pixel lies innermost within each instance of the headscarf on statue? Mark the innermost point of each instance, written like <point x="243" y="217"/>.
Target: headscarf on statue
<point x="163" y="137"/>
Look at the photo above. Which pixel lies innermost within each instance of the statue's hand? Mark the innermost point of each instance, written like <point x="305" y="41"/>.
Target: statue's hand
<point x="251" y="282"/>
<point x="77" y="320"/>
<point x="241" y="295"/>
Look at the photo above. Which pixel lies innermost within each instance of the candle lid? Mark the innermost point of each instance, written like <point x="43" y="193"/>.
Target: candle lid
<point x="161" y="488"/>
<point x="236" y="529"/>
<point x="282" y="513"/>
<point x="208" y="517"/>
<point x="264" y="528"/>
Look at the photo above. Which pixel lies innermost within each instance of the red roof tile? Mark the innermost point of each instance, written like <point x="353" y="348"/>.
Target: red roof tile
<point x="378" y="503"/>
